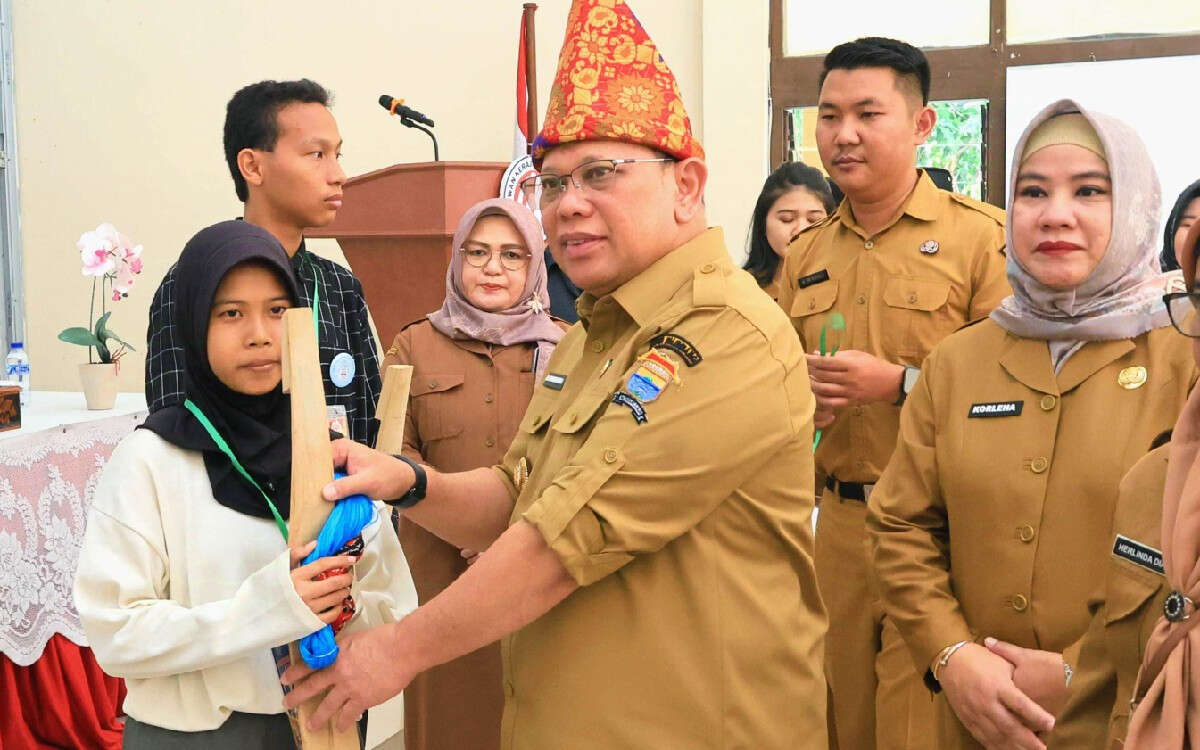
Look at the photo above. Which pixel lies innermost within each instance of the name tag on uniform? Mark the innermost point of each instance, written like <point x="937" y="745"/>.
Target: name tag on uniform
<point x="1138" y="554"/>
<point x="554" y="381"/>
<point x="996" y="409"/>
<point x="813" y="278"/>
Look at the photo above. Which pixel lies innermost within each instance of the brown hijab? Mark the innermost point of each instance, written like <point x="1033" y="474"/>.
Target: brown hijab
<point x="1167" y="716"/>
<point x="528" y="321"/>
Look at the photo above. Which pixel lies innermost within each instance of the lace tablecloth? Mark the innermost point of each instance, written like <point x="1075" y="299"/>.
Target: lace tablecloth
<point x="47" y="480"/>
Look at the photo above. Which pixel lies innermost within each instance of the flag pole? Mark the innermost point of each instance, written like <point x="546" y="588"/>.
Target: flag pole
<point x="530" y="75"/>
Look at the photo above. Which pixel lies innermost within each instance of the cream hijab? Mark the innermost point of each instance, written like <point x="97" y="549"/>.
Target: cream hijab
<point x="1122" y="298"/>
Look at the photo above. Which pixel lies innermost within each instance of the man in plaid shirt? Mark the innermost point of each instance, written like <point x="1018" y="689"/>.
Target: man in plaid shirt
<point x="282" y="146"/>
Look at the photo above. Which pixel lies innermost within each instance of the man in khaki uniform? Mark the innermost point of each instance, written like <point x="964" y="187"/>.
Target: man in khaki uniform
<point x="904" y="264"/>
<point x="648" y="548"/>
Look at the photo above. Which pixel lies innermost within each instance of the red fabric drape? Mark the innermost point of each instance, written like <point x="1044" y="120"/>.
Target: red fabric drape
<point x="63" y="700"/>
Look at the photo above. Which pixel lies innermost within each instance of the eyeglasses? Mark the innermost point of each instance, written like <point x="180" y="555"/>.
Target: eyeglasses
<point x="544" y="190"/>
<point x="513" y="260"/>
<point x="1184" y="309"/>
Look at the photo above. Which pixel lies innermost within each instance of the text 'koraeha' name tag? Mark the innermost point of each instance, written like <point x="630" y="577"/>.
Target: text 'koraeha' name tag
<point x="996" y="409"/>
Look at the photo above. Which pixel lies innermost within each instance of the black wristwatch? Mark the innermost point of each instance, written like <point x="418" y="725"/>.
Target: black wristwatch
<point x="908" y="381"/>
<point x="416" y="493"/>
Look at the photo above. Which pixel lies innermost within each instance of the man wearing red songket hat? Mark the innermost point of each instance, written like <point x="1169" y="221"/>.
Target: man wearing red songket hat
<point x="648" y="547"/>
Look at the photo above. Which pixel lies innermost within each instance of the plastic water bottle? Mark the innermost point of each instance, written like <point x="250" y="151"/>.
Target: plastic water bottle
<point x="16" y="367"/>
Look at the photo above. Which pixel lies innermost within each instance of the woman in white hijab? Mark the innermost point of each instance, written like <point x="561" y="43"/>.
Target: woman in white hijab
<point x="999" y="495"/>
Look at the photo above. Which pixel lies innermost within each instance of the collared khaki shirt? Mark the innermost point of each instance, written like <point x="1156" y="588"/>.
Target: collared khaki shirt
<point x="666" y="458"/>
<point x="1129" y="605"/>
<point x="938" y="266"/>
<point x="994" y="515"/>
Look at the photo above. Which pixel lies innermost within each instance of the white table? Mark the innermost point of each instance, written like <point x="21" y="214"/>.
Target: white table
<point x="54" y="408"/>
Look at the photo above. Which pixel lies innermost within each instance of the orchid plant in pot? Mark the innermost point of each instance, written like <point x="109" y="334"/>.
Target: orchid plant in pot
<point x="112" y="261"/>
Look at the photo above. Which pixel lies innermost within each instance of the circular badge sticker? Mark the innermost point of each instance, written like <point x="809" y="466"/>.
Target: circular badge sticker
<point x="341" y="369"/>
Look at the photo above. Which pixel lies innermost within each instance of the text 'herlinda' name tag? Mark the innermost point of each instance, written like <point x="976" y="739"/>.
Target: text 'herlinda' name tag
<point x="813" y="278"/>
<point x="1138" y="554"/>
<point x="554" y="381"/>
<point x="996" y="409"/>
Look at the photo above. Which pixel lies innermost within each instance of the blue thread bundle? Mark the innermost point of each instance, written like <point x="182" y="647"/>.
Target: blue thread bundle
<point x="349" y="517"/>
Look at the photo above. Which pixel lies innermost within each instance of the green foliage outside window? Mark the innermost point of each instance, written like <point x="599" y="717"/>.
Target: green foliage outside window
<point x="957" y="144"/>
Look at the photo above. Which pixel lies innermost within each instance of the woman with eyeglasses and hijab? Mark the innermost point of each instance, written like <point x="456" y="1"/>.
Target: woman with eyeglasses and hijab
<point x="998" y="500"/>
<point x="475" y="362"/>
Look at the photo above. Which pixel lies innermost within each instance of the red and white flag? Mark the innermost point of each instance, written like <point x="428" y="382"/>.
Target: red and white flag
<point x="522" y="138"/>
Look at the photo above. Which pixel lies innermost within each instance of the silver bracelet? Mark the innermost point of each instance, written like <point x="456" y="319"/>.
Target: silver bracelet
<point x="945" y="657"/>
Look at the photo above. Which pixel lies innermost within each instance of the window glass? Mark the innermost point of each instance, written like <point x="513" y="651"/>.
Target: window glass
<point x="1040" y="21"/>
<point x="815" y="28"/>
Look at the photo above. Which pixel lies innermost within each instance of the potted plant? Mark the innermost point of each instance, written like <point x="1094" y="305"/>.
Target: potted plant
<point x="112" y="261"/>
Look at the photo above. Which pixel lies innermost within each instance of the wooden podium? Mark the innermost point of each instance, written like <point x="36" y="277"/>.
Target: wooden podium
<point x="395" y="228"/>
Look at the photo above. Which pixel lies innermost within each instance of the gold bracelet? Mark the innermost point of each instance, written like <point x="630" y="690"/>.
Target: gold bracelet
<point x="944" y="656"/>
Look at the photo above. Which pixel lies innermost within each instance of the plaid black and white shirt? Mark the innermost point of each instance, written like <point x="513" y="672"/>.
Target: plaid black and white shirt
<point x="343" y="324"/>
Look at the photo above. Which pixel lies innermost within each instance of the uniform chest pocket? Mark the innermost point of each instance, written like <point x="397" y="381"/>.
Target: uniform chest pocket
<point x="811" y="307"/>
<point x="916" y="316"/>
<point x="1129" y="588"/>
<point x="436" y="400"/>
<point x="582" y="411"/>
<point x="540" y="411"/>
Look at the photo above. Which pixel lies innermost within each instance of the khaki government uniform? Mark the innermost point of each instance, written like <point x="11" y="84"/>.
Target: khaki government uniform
<point x="466" y="400"/>
<point x="683" y="515"/>
<point x="1108" y="657"/>
<point x="898" y="300"/>
<point x="1021" y="500"/>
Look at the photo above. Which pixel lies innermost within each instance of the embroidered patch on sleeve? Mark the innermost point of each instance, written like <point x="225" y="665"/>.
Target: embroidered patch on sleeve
<point x="675" y="343"/>
<point x="635" y="406"/>
<point x="652" y="373"/>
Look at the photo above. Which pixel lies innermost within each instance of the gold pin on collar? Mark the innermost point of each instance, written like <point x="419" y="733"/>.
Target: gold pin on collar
<point x="1132" y="378"/>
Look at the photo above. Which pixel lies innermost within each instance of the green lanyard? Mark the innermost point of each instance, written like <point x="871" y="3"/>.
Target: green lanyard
<point x="220" y="441"/>
<point x="316" y="303"/>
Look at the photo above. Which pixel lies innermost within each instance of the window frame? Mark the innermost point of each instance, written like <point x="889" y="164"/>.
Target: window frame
<point x="973" y="72"/>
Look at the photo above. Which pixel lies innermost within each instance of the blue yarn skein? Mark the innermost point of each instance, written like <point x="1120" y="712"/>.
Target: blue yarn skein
<point x="350" y="515"/>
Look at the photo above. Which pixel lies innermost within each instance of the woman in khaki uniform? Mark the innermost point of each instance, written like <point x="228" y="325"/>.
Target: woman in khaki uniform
<point x="474" y="363"/>
<point x="794" y="197"/>
<point x="999" y="496"/>
<point x="1130" y="603"/>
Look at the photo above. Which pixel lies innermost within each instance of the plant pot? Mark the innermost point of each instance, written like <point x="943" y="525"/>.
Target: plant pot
<point x="99" y="385"/>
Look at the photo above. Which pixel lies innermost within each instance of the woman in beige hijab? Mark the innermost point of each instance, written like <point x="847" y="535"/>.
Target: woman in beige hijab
<point x="998" y="497"/>
<point x="1167" y="692"/>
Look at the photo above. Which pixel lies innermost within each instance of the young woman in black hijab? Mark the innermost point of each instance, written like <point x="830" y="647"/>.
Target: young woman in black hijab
<point x="185" y="581"/>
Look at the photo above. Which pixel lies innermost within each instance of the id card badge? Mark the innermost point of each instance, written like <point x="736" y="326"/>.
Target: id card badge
<point x="338" y="421"/>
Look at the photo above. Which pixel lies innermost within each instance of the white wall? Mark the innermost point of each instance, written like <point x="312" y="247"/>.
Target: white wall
<point x="120" y="103"/>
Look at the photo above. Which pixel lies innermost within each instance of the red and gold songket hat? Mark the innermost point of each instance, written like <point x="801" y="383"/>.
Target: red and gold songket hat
<point x="612" y="84"/>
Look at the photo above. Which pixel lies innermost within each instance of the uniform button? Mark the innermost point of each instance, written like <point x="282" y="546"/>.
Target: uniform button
<point x="488" y="399"/>
<point x="433" y="384"/>
<point x="862" y="299"/>
<point x="489" y="442"/>
<point x="508" y="689"/>
<point x="869" y="244"/>
<point x="597" y="346"/>
<point x="1038" y="465"/>
<point x="1048" y="403"/>
<point x="610" y="456"/>
<point x="1025" y="533"/>
<point x="912" y="299"/>
<point x="857" y="411"/>
<point x="812" y="304"/>
<point x="707" y="268"/>
<point x="1020" y="603"/>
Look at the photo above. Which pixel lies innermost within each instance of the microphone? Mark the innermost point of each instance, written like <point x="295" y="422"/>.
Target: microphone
<point x="396" y="107"/>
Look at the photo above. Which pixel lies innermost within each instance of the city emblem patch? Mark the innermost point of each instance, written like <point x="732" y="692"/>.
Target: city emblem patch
<point x="652" y="373"/>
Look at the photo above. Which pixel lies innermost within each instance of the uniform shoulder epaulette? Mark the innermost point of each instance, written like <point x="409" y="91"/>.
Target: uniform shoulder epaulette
<point x="987" y="209"/>
<point x="708" y="286"/>
<point x="815" y="225"/>
<point x="406" y="326"/>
